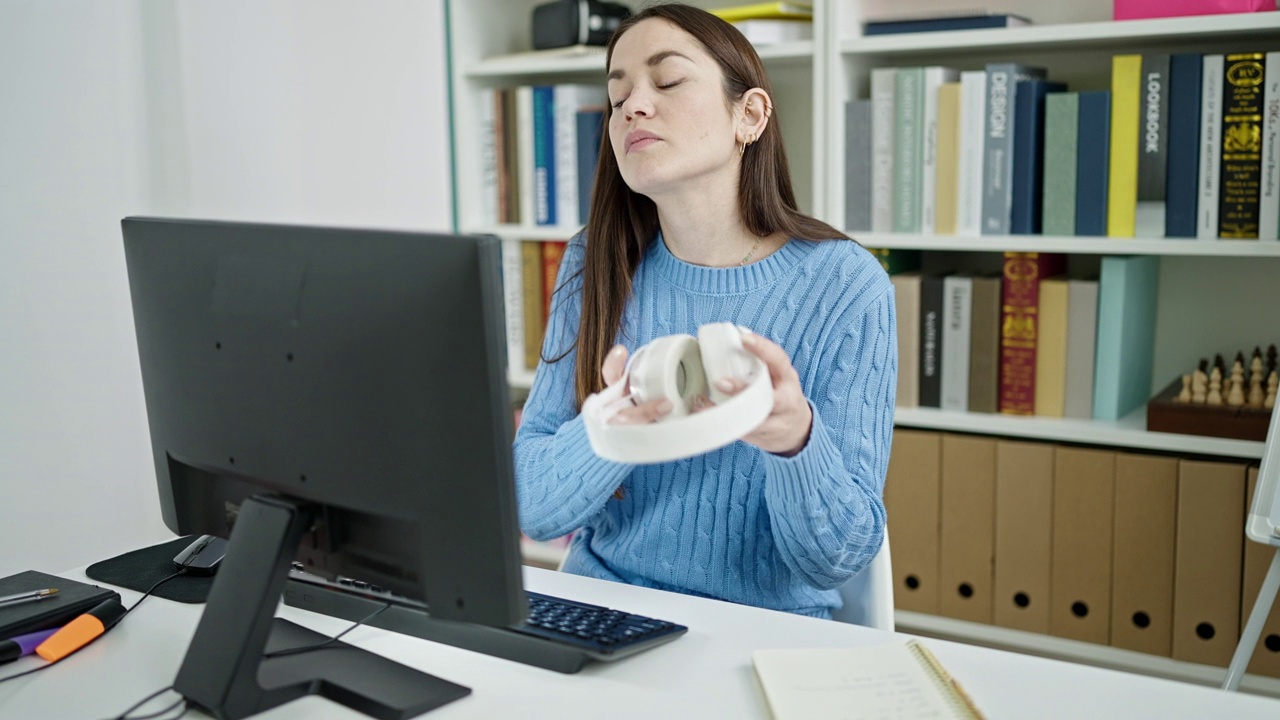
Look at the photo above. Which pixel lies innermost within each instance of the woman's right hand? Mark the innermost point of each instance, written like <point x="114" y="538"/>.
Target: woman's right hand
<point x="615" y="366"/>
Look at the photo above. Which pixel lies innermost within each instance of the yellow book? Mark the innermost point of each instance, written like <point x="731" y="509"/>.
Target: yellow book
<point x="1122" y="187"/>
<point x="1051" y="349"/>
<point x="765" y="11"/>
<point x="948" y="167"/>
<point x="534" y="303"/>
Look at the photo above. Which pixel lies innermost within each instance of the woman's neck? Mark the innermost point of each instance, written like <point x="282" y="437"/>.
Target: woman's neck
<point x="703" y="226"/>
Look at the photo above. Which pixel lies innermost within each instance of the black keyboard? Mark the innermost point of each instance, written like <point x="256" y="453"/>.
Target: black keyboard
<point x="559" y="634"/>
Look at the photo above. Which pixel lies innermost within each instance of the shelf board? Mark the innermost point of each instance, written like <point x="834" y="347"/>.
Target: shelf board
<point x="1129" y="432"/>
<point x="526" y="232"/>
<point x="589" y="60"/>
<point x="1117" y="35"/>
<point x="1074" y="651"/>
<point x="1070" y="244"/>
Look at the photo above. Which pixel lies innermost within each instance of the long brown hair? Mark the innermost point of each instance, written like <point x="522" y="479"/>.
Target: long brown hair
<point x="622" y="223"/>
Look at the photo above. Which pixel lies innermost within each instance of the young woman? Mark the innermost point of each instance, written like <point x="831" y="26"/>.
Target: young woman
<point x="693" y="220"/>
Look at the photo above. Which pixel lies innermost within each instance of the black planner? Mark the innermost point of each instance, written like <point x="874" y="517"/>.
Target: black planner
<point x="72" y="599"/>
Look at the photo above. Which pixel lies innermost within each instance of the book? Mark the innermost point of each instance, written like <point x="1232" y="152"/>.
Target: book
<point x="513" y="299"/>
<point x="590" y="135"/>
<point x="1026" y="175"/>
<point x="525" y="154"/>
<point x="896" y="261"/>
<point x="1153" y="143"/>
<point x="552" y="253"/>
<point x="1082" y="333"/>
<point x="883" y="109"/>
<point x="1183" y="167"/>
<point x="532" y="302"/>
<point x="765" y="11"/>
<point x="892" y="681"/>
<point x="973" y="103"/>
<point x="544" y="155"/>
<point x="934" y="78"/>
<point x="1019" y="327"/>
<point x="931" y="340"/>
<point x="1269" y="213"/>
<point x="1051" y="348"/>
<point x="1122" y="184"/>
<point x="943" y="22"/>
<point x="857" y="165"/>
<point x="906" y="307"/>
<point x="1092" y="163"/>
<point x="1210" y="146"/>
<point x="766" y="31"/>
<point x="1061" y="133"/>
<point x="1242" y="94"/>
<point x="957" y="305"/>
<point x="567" y="101"/>
<point x="984" y="345"/>
<point x="1123" y="360"/>
<point x="908" y="145"/>
<point x="947" y="167"/>
<point x="998" y="142"/>
<point x="72" y="599"/>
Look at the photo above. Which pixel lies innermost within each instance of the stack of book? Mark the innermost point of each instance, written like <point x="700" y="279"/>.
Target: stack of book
<point x="768" y="23"/>
<point x="1180" y="146"/>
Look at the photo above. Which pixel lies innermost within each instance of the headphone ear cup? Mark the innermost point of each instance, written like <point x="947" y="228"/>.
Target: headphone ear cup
<point x="671" y="368"/>
<point x="722" y="356"/>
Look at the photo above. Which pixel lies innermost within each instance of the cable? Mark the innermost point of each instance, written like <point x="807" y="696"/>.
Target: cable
<point x="327" y="643"/>
<point x="125" y="715"/>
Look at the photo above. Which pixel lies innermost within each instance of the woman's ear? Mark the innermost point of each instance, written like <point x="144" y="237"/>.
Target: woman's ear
<point x="756" y="109"/>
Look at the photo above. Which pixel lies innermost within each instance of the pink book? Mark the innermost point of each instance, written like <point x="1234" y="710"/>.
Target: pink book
<point x="1139" y="9"/>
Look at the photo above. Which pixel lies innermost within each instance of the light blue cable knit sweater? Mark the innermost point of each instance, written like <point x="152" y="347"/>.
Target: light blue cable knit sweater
<point x="736" y="524"/>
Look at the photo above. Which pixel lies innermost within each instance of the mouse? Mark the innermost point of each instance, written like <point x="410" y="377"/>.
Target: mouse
<point x="202" y="556"/>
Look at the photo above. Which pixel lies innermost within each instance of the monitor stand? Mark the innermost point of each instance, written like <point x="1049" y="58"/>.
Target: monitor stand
<point x="224" y="672"/>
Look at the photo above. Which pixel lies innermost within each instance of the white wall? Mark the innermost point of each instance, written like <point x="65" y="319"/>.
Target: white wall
<point x="317" y="112"/>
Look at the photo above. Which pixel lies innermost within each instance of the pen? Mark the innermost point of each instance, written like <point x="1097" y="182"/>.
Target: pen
<point x="16" y="647"/>
<point x="8" y="600"/>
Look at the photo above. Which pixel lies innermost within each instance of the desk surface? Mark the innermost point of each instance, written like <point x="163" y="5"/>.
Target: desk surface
<point x="705" y="674"/>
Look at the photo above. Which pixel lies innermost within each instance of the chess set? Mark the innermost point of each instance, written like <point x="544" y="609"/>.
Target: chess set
<point x="1218" y="401"/>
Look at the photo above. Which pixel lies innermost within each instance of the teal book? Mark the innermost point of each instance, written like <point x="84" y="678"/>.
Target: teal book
<point x="1127" y="291"/>
<point x="1061" y="129"/>
<point x="908" y="158"/>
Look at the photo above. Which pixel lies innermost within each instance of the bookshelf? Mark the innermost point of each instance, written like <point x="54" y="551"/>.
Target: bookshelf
<point x="1213" y="296"/>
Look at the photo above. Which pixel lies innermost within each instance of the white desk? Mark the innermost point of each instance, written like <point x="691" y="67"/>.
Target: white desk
<point x="705" y="674"/>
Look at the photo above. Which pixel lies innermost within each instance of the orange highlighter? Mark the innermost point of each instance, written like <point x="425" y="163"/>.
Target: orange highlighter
<point x="81" y="631"/>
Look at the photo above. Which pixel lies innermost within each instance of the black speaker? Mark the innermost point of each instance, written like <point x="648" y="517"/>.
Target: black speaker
<point x="576" y="22"/>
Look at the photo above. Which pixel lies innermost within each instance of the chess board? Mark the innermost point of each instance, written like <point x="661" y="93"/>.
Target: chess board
<point x="1165" y="414"/>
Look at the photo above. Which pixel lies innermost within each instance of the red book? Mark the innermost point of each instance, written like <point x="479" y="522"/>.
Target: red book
<point x="1020" y="303"/>
<point x="552" y="251"/>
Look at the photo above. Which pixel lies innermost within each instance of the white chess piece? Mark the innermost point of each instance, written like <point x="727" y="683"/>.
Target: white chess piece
<point x="1235" y="388"/>
<point x="1270" y="402"/>
<point x="1215" y="387"/>
<point x="1256" y="394"/>
<point x="1199" y="386"/>
<point x="1185" y="395"/>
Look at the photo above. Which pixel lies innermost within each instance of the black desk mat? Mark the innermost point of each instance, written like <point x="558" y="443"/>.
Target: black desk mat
<point x="140" y="569"/>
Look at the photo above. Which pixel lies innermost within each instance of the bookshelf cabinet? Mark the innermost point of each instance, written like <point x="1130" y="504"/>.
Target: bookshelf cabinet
<point x="1214" y="296"/>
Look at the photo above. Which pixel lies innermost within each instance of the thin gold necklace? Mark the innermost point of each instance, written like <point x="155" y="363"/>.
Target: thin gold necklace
<point x="751" y="252"/>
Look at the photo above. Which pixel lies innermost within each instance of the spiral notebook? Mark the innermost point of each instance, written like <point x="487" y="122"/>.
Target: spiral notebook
<point x="897" y="681"/>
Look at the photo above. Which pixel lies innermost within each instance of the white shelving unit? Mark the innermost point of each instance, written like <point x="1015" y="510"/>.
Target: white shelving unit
<point x="1215" y="296"/>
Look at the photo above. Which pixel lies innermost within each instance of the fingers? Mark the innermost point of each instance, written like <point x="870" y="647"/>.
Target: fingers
<point x="615" y="363"/>
<point x="774" y="357"/>
<point x="643" y="413"/>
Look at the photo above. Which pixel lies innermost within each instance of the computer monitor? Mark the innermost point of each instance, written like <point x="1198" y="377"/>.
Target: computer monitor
<point x="336" y="397"/>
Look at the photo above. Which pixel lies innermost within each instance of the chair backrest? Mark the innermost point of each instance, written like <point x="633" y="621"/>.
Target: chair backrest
<point x="868" y="596"/>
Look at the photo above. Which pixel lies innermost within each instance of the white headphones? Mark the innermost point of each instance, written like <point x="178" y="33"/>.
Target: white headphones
<point x="679" y="368"/>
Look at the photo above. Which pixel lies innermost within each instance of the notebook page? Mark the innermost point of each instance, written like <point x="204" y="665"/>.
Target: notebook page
<point x="880" y="682"/>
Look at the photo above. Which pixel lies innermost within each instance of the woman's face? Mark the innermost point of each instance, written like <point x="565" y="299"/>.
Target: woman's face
<point x="671" y="126"/>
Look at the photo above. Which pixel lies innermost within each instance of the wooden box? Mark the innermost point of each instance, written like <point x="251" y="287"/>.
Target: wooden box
<point x="1242" y="423"/>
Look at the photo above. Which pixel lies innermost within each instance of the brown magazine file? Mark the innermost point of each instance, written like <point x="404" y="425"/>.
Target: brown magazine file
<point x="1206" y="593"/>
<point x="1080" y="598"/>
<point x="1146" y="521"/>
<point x="966" y="557"/>
<point x="912" y="500"/>
<point x="1024" y="535"/>
<point x="1257" y="558"/>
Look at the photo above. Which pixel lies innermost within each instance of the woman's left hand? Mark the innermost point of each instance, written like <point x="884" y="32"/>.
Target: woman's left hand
<point x="786" y="431"/>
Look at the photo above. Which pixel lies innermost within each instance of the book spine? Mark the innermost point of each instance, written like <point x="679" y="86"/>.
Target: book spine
<point x="973" y="103"/>
<point x="1027" y="178"/>
<point x="906" y="302"/>
<point x="1122" y="200"/>
<point x="931" y="341"/>
<point x="532" y="307"/>
<point x="502" y="156"/>
<point x="511" y="155"/>
<point x="997" y="189"/>
<point x="513" y="299"/>
<point x="1051" y="348"/>
<point x="1269" y="212"/>
<point x="544" y="165"/>
<point x="565" y="108"/>
<point x="1183" y="146"/>
<point x="590" y="134"/>
<point x="977" y="22"/>
<point x="1020" y="304"/>
<point x="957" y="293"/>
<point x="1058" y="201"/>
<point x="525" y="152"/>
<point x="1127" y="292"/>
<point x="947" y="166"/>
<point x="934" y="78"/>
<point x="883" y="110"/>
<point x="1082" y="329"/>
<point x="908" y="143"/>
<point x="984" y="346"/>
<point x="1093" y="163"/>
<point x="1210" y="147"/>
<point x="552" y="252"/>
<point x="857" y="165"/>
<point x="489" y="170"/>
<point x="1244" y="83"/>
<point x="1153" y="141"/>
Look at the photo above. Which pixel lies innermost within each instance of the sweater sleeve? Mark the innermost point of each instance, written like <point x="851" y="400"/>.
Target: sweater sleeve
<point x="560" y="482"/>
<point x="825" y="503"/>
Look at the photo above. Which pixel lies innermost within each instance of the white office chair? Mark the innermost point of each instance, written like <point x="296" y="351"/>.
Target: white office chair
<point x="868" y="597"/>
